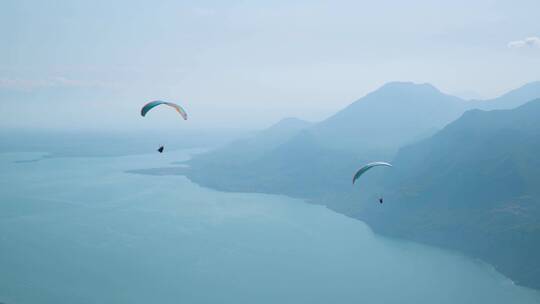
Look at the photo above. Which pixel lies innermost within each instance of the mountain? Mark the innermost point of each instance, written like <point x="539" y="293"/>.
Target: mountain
<point x="471" y="186"/>
<point x="253" y="147"/>
<point x="396" y="114"/>
<point x="234" y="167"/>
<point x="466" y="180"/>
<point x="315" y="161"/>
<point x="307" y="160"/>
<point x="513" y="98"/>
<point x="310" y="161"/>
<point x="474" y="187"/>
<point x="298" y="168"/>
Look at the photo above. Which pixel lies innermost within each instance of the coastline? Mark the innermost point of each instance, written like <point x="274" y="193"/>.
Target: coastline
<point x="187" y="171"/>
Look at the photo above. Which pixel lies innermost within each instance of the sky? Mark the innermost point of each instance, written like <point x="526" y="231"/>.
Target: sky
<point x="247" y="64"/>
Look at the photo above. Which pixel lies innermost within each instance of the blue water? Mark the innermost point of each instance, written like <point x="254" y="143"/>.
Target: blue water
<point x="82" y="230"/>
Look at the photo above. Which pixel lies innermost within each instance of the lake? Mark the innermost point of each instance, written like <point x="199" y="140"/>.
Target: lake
<point x="84" y="230"/>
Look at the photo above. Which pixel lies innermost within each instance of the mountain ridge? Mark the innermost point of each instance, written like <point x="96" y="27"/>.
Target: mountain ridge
<point x="471" y="187"/>
<point x="314" y="163"/>
<point x="375" y="126"/>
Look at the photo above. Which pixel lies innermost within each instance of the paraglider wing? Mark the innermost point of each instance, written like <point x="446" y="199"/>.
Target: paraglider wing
<point x="367" y="167"/>
<point x="149" y="106"/>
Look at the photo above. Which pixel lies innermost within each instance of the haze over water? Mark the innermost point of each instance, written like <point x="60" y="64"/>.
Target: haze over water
<point x="83" y="230"/>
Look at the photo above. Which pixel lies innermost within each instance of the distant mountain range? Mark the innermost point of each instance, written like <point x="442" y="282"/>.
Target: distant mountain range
<point x="463" y="178"/>
<point x="308" y="160"/>
<point x="474" y="186"/>
<point x="512" y="99"/>
<point x="253" y="147"/>
<point x="389" y="118"/>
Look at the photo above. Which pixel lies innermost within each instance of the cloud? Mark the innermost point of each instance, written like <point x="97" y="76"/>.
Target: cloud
<point x="529" y="42"/>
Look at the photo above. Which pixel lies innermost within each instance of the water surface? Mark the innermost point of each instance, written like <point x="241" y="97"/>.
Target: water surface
<point x="83" y="230"/>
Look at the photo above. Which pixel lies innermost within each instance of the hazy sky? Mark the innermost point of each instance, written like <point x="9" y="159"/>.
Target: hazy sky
<point x="249" y="63"/>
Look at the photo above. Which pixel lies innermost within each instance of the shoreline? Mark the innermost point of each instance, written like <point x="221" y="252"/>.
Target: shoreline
<point x="186" y="169"/>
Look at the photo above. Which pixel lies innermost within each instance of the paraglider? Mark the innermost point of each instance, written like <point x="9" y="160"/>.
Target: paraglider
<point x="149" y="106"/>
<point x="367" y="167"/>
